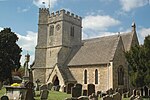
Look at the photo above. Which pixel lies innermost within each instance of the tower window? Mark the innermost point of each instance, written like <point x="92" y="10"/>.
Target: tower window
<point x="96" y="76"/>
<point x="85" y="77"/>
<point x="51" y="30"/>
<point x="120" y="75"/>
<point x="72" y="31"/>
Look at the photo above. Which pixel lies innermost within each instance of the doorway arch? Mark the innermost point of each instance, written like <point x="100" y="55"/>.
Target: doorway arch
<point x="55" y="80"/>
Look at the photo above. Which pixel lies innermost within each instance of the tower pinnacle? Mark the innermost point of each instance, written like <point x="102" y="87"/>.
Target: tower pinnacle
<point x="133" y="27"/>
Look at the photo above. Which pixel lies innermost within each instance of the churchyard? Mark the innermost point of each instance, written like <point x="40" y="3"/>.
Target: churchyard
<point x="50" y="92"/>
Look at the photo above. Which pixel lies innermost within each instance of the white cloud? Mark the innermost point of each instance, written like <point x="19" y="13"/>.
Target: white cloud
<point x="144" y="32"/>
<point x="27" y="43"/>
<point x="128" y="5"/>
<point x="95" y="26"/>
<point x="39" y="3"/>
<point x="19" y="9"/>
<point x="99" y="22"/>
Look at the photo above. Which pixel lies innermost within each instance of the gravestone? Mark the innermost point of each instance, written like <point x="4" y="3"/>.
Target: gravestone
<point x="69" y="86"/>
<point x="94" y="97"/>
<point x="117" y="96"/>
<point x="49" y="86"/>
<point x="110" y="91"/>
<point x="75" y="92"/>
<point x="30" y="91"/>
<point x="141" y="91"/>
<point x="64" y="88"/>
<point x="133" y="95"/>
<point x="99" y="93"/>
<point x="120" y="90"/>
<point x="149" y="92"/>
<point x="84" y="92"/>
<point x="138" y="95"/>
<point x="134" y="92"/>
<point x="57" y="88"/>
<point x="43" y="87"/>
<point x="145" y="91"/>
<point x="91" y="89"/>
<point x="44" y="94"/>
<point x="79" y="86"/>
<point x="37" y="88"/>
<point x="4" y="98"/>
<point x="107" y="97"/>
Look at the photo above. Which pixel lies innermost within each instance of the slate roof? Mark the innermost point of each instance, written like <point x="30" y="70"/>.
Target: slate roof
<point x="99" y="50"/>
<point x="95" y="51"/>
<point x="127" y="39"/>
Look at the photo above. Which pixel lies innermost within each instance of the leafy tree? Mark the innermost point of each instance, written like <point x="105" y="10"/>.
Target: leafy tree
<point x="10" y="54"/>
<point x="139" y="64"/>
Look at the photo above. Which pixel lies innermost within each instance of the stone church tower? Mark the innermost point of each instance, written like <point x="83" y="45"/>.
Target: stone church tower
<point x="64" y="59"/>
<point x="57" y="34"/>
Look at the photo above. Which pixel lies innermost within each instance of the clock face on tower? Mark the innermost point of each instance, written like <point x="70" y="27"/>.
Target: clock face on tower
<point x="58" y="27"/>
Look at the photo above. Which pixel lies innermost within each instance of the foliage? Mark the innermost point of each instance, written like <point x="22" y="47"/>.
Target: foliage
<point x="10" y="53"/>
<point x="139" y="64"/>
<point x="19" y="72"/>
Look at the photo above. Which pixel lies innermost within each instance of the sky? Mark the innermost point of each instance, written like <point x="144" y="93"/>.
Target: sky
<point x="99" y="18"/>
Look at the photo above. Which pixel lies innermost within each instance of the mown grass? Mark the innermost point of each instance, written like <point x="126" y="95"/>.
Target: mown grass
<point x="55" y="95"/>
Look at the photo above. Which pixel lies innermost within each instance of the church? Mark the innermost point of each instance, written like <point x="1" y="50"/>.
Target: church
<point x="63" y="58"/>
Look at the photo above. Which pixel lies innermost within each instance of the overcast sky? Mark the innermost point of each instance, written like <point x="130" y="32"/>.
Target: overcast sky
<point x="100" y="17"/>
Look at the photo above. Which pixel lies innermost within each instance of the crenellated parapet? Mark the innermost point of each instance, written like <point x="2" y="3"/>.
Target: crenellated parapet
<point x="66" y="16"/>
<point x="43" y="10"/>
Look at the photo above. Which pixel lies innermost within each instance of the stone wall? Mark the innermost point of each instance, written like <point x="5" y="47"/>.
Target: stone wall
<point x="103" y="73"/>
<point x="39" y="73"/>
<point x="119" y="59"/>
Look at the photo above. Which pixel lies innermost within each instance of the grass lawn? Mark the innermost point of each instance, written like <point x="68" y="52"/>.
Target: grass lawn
<point x="55" y="95"/>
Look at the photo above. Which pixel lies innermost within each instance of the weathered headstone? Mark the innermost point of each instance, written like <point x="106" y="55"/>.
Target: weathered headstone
<point x="84" y="92"/>
<point x="110" y="91"/>
<point x="120" y="90"/>
<point x="94" y="97"/>
<point x="37" y="88"/>
<point x="91" y="89"/>
<point x="117" y="96"/>
<point x="138" y="95"/>
<point x="134" y="92"/>
<point x="49" y="86"/>
<point x="43" y="87"/>
<point x="149" y="92"/>
<point x="107" y="97"/>
<point x="99" y="93"/>
<point x="141" y="91"/>
<point x="133" y="95"/>
<point x="145" y="91"/>
<point x="75" y="92"/>
<point x="30" y="89"/>
<point x="69" y="86"/>
<point x="44" y="94"/>
<point x="79" y="86"/>
<point x="64" y="88"/>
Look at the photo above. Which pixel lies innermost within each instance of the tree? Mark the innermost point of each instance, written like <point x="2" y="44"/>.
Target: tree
<point x="139" y="64"/>
<point x="10" y="54"/>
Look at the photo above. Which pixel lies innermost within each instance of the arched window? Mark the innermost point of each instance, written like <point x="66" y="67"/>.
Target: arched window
<point x="51" y="32"/>
<point x="85" y="76"/>
<point x="96" y="76"/>
<point x="120" y="75"/>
